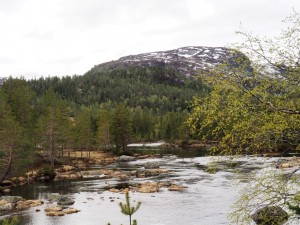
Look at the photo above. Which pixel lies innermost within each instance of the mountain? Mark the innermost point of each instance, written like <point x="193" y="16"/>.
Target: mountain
<point x="157" y="80"/>
<point x="187" y="61"/>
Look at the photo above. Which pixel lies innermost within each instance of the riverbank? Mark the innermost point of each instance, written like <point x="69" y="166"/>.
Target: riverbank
<point x="204" y="199"/>
<point x="149" y="178"/>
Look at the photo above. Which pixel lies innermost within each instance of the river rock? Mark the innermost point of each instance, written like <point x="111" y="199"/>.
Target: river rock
<point x="141" y="173"/>
<point x="66" y="168"/>
<point x="54" y="197"/>
<point x="68" y="176"/>
<point x="64" y="200"/>
<point x="175" y="187"/>
<point x="293" y="162"/>
<point x="22" y="179"/>
<point x="114" y="190"/>
<point x="6" y="206"/>
<point x="148" y="187"/>
<point x="125" y="158"/>
<point x="274" y="215"/>
<point x="71" y="211"/>
<point x="151" y="165"/>
<point x="32" y="175"/>
<point x="12" y="199"/>
<point x="7" y="190"/>
<point x="21" y="205"/>
<point x="7" y="183"/>
<point x="3" y="202"/>
<point x="55" y="213"/>
<point x="53" y="209"/>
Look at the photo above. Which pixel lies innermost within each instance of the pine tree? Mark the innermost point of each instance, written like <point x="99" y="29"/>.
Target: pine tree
<point x="52" y="124"/>
<point x="10" y="138"/>
<point x="104" y="131"/>
<point x="121" y="127"/>
<point x="129" y="210"/>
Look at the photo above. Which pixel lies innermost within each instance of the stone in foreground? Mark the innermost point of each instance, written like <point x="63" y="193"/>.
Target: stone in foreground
<point x="270" y="215"/>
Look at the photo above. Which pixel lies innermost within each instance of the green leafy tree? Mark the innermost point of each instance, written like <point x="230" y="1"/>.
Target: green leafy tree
<point x="254" y="106"/>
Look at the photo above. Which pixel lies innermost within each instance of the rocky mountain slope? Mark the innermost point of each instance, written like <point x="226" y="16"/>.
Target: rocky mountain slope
<point x="187" y="60"/>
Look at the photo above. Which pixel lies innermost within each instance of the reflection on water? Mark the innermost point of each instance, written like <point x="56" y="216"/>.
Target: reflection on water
<point x="206" y="200"/>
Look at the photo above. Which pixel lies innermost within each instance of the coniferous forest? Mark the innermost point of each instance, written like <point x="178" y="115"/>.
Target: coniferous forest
<point x="94" y="111"/>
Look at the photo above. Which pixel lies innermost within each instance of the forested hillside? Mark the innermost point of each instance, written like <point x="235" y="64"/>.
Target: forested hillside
<point x="94" y="111"/>
<point x="161" y="89"/>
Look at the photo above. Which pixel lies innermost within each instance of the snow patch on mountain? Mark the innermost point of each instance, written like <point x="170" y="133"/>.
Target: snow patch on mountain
<point x="186" y="60"/>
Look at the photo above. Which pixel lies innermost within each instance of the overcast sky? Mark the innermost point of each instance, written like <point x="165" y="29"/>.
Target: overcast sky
<point x="67" y="37"/>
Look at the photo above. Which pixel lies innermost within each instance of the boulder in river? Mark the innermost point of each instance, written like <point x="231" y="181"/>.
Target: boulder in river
<point x="125" y="158"/>
<point x="64" y="200"/>
<point x="5" y="206"/>
<point x="55" y="213"/>
<point x="71" y="211"/>
<point x="151" y="165"/>
<point x="11" y="199"/>
<point x="270" y="215"/>
<point x="66" y="168"/>
<point x="175" y="187"/>
<point x="53" y="209"/>
<point x="141" y="173"/>
<point x="148" y="187"/>
<point x="59" y="211"/>
<point x="21" y="205"/>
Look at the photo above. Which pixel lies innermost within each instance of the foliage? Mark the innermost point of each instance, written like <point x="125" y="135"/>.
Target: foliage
<point x="268" y="188"/>
<point x="46" y="171"/>
<point x="121" y="128"/>
<point x="254" y="106"/>
<point x="11" y="139"/>
<point x="158" y="88"/>
<point x="127" y="209"/>
<point x="10" y="221"/>
<point x="104" y="129"/>
<point x="48" y="117"/>
<point x="230" y="117"/>
<point x="53" y="124"/>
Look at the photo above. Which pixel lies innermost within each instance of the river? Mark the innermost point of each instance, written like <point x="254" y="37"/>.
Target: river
<point x="205" y="201"/>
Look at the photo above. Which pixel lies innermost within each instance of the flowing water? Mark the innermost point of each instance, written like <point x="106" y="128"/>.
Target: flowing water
<point x="205" y="201"/>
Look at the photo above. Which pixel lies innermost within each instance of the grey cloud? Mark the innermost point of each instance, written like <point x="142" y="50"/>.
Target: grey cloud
<point x="39" y="34"/>
<point x="68" y="60"/>
<point x="94" y="13"/>
<point x="10" y="6"/>
<point x="6" y="60"/>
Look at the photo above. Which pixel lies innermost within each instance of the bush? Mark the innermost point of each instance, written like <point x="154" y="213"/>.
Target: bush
<point x="47" y="173"/>
<point x="10" y="221"/>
